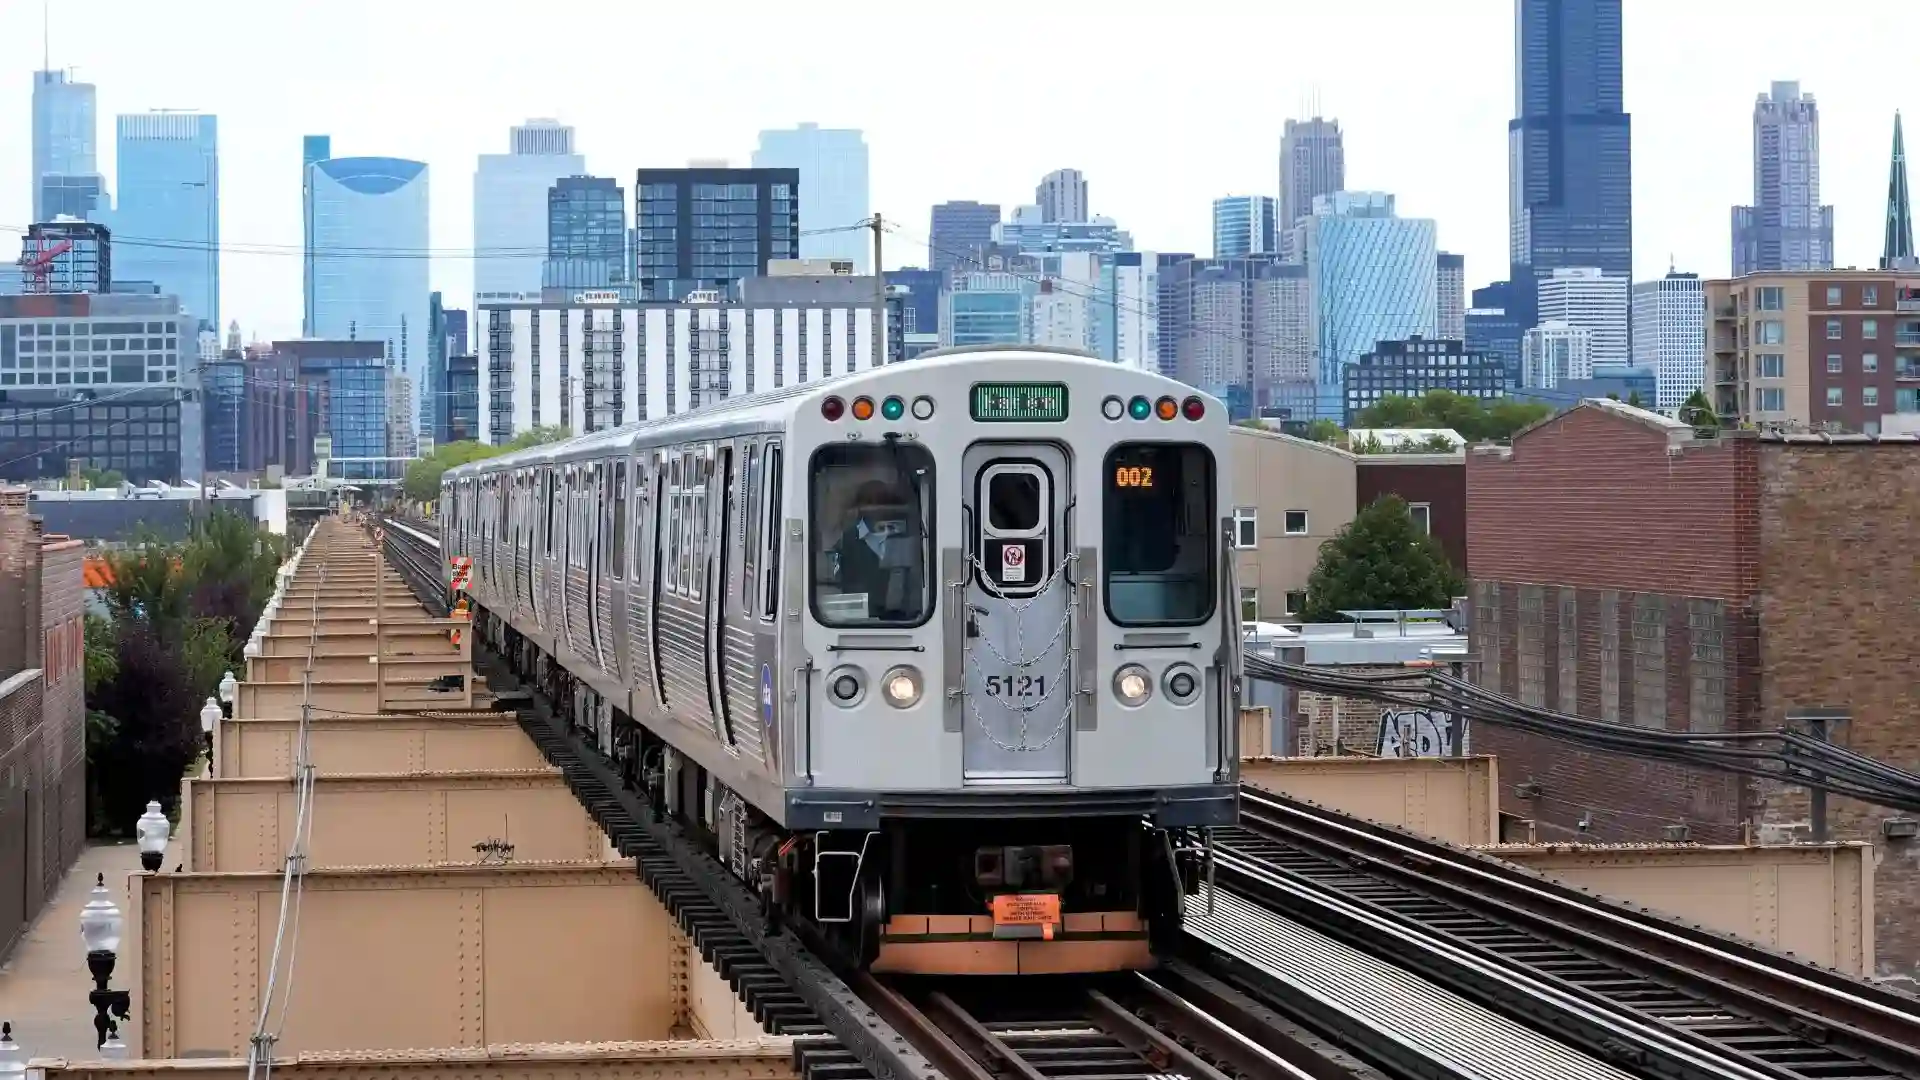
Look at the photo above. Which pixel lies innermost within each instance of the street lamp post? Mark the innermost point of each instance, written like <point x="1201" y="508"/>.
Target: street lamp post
<point x="229" y="686"/>
<point x="13" y="1060"/>
<point x="100" y="927"/>
<point x="209" y="716"/>
<point x="154" y="830"/>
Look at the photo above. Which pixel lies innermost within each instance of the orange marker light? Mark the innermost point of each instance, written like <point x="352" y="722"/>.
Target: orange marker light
<point x="863" y="408"/>
<point x="1166" y="408"/>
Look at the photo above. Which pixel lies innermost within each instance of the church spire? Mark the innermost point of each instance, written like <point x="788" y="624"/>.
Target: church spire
<point x="1897" y="252"/>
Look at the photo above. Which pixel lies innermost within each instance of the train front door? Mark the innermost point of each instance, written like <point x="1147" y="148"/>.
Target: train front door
<point x="1018" y="711"/>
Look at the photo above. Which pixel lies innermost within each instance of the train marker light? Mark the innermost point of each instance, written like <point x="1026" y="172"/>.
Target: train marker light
<point x="863" y="408"/>
<point x="1194" y="408"/>
<point x="1139" y="408"/>
<point x="893" y="408"/>
<point x="923" y="408"/>
<point x="1113" y="408"/>
<point x="832" y="408"/>
<point x="1166" y="408"/>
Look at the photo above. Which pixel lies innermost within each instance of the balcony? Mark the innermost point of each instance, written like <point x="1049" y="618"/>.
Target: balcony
<point x="1906" y="339"/>
<point x="1906" y="372"/>
<point x="1907" y="304"/>
<point x="1725" y="311"/>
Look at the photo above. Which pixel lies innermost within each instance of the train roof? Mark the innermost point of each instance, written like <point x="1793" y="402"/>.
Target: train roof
<point x="777" y="405"/>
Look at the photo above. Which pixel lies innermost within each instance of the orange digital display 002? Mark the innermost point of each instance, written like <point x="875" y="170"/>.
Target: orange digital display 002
<point x="1133" y="476"/>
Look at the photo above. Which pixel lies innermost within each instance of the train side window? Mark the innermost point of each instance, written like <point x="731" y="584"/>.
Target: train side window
<point x="676" y="514"/>
<point x="749" y="522"/>
<point x="619" y="545"/>
<point x="699" y="530"/>
<point x="770" y="533"/>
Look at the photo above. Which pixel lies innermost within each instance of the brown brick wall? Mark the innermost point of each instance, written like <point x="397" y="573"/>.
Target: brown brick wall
<point x="63" y="704"/>
<point x="1441" y="485"/>
<point x="1356" y="721"/>
<point x="1840" y="584"/>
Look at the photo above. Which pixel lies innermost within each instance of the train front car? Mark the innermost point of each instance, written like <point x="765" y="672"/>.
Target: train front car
<point x="1013" y="691"/>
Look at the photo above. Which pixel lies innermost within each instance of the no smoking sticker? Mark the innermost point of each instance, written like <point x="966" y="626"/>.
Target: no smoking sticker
<point x="1013" y="563"/>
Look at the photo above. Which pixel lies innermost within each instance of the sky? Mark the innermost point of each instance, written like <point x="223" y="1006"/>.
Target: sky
<point x="960" y="101"/>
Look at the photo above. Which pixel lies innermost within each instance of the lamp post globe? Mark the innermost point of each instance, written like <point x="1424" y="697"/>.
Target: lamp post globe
<point x="113" y="1049"/>
<point x="210" y="715"/>
<point x="100" y="921"/>
<point x="154" y="831"/>
<point x="228" y="687"/>
<point x="13" y="1060"/>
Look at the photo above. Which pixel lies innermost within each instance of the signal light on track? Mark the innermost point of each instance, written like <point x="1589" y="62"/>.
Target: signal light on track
<point x="833" y="408"/>
<point x="1194" y="408"/>
<point x="863" y="408"/>
<point x="1166" y="408"/>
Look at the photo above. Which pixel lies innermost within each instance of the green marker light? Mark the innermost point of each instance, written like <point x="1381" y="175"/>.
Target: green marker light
<point x="893" y="408"/>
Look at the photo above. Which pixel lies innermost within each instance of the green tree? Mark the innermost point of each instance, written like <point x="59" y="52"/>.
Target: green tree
<point x="102" y="659"/>
<point x="102" y="478"/>
<point x="1325" y="431"/>
<point x="422" y="480"/>
<point x="1473" y="418"/>
<point x="1698" y="411"/>
<point x="1633" y="399"/>
<point x="1379" y="561"/>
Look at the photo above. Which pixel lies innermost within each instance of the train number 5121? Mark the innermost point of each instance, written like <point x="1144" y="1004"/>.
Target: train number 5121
<point x="1025" y="686"/>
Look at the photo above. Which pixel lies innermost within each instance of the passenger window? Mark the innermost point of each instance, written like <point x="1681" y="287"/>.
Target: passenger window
<point x="676" y="522"/>
<point x="872" y="531"/>
<point x="770" y="531"/>
<point x="1161" y="546"/>
<point x="1013" y="502"/>
<point x="749" y="523"/>
<point x="619" y="545"/>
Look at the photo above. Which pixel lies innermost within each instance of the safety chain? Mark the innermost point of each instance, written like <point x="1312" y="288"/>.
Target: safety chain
<point x="1018" y="609"/>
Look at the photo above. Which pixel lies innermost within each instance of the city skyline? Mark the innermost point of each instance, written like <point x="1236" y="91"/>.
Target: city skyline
<point x="1691" y="141"/>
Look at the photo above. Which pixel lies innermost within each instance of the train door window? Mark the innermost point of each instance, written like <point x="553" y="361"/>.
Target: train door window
<point x="620" y="521"/>
<point x="749" y="524"/>
<point x="676" y="515"/>
<point x="724" y="529"/>
<point x="770" y="533"/>
<point x="697" y="530"/>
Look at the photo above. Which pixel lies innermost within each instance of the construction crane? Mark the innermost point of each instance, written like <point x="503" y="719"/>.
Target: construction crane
<point x="36" y="263"/>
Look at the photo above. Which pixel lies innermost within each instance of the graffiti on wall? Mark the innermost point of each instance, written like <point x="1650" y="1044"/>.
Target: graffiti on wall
<point x="1417" y="733"/>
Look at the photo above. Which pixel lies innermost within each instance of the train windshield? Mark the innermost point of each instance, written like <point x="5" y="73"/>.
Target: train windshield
<point x="1160" y="558"/>
<point x="872" y="530"/>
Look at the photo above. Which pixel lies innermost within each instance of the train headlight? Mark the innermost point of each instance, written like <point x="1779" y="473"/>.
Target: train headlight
<point x="901" y="687"/>
<point x="1182" y="684"/>
<point x="847" y="686"/>
<point x="1132" y="685"/>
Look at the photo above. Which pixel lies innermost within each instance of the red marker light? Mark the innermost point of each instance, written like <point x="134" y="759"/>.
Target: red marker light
<point x="833" y="408"/>
<point x="1194" y="408"/>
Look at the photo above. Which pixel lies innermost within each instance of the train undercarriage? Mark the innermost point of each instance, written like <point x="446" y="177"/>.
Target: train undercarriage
<point x="918" y="895"/>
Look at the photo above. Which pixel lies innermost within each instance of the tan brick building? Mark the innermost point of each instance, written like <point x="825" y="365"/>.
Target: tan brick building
<point x="1626" y="569"/>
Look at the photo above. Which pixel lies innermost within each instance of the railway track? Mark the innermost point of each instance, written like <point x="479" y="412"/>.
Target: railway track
<point x="1653" y="996"/>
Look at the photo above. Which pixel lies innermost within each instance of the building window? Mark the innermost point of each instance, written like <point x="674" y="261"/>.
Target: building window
<point x="1869" y="395"/>
<point x="1771" y="399"/>
<point x="1422" y="517"/>
<point x="1836" y="396"/>
<point x="1772" y="365"/>
<point x="1870" y="296"/>
<point x="1707" y="703"/>
<point x="1249" y="604"/>
<point x="1770" y="332"/>
<point x="1296" y="601"/>
<point x="1246" y="527"/>
<point x="1649" y="661"/>
<point x="1569" y="697"/>
<point x="1835" y="364"/>
<point x="1869" y="362"/>
<point x="1487" y="636"/>
<point x="1870" y="328"/>
<point x="1833" y="296"/>
<point x="1296" y="523"/>
<point x="1610" y="656"/>
<point x="1833" y="329"/>
<point x="1768" y="298"/>
<point x="1533" y="647"/>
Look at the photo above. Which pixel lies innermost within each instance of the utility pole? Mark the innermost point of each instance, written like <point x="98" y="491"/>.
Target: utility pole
<point x="879" y="297"/>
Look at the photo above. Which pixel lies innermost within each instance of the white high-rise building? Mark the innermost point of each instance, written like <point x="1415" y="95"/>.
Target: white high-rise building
<point x="1584" y="296"/>
<point x="833" y="188"/>
<point x="1553" y="353"/>
<point x="1670" y="335"/>
<point x="1130" y="292"/>
<point x="510" y="208"/>
<point x="1451" y="284"/>
<point x="1062" y="196"/>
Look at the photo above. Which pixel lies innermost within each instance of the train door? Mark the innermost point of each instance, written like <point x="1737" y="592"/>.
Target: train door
<point x="721" y="529"/>
<point x="1018" y="706"/>
<point x="596" y="516"/>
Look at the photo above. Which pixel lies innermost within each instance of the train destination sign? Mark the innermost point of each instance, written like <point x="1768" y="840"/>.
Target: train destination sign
<point x="1037" y="402"/>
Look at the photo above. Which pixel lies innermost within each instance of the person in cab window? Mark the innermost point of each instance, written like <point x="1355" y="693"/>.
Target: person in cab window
<point x="875" y="552"/>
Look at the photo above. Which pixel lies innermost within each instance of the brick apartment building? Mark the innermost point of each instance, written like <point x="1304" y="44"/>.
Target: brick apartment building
<point x="1828" y="349"/>
<point x="43" y="782"/>
<point x="1627" y="569"/>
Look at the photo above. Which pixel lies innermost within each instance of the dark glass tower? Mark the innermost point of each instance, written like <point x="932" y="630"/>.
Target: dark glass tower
<point x="706" y="227"/>
<point x="1570" y="144"/>
<point x="586" y="234"/>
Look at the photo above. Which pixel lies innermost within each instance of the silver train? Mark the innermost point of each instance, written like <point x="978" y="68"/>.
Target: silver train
<point x="941" y="657"/>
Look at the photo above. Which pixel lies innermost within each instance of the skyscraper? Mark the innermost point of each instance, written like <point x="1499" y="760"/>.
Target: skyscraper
<point x="586" y="234"/>
<point x="1570" y="165"/>
<point x="1897" y="249"/>
<point x="1243" y="225"/>
<point x="369" y="218"/>
<point x="167" y="227"/>
<point x="1786" y="228"/>
<point x="1313" y="162"/>
<point x="1062" y="196"/>
<point x="313" y="148"/>
<point x="1670" y="335"/>
<point x="832" y="163"/>
<point x="959" y="230"/>
<point x="510" y="207"/>
<point x="747" y="216"/>
<point x="63" y="132"/>
<point x="1597" y="302"/>
<point x="1450" y="282"/>
<point x="1373" y="278"/>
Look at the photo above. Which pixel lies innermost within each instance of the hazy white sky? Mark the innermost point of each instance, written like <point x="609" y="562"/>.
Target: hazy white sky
<point x="960" y="100"/>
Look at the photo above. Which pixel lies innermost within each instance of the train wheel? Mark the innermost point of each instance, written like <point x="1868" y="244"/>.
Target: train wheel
<point x="869" y="919"/>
